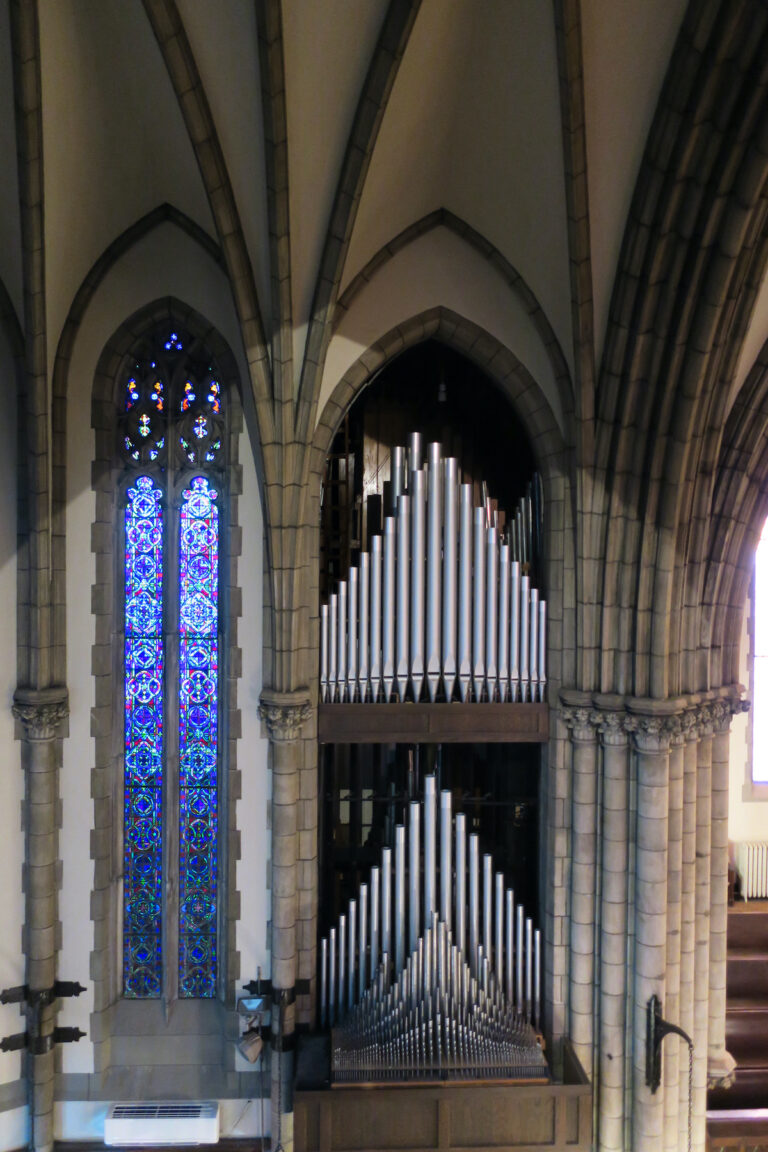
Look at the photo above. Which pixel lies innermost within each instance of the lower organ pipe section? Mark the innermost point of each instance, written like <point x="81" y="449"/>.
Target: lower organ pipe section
<point x="443" y="605"/>
<point x="438" y="1007"/>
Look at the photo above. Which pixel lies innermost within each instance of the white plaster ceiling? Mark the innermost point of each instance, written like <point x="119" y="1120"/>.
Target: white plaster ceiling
<point x="626" y="50"/>
<point x="327" y="50"/>
<point x="473" y="125"/>
<point x="115" y="145"/>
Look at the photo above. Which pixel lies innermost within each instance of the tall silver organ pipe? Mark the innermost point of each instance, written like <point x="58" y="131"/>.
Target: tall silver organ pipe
<point x="439" y="984"/>
<point x="465" y="590"/>
<point x="443" y="597"/>
<point x="403" y="603"/>
<point x="449" y="576"/>
<point x="416" y="607"/>
<point x="434" y="571"/>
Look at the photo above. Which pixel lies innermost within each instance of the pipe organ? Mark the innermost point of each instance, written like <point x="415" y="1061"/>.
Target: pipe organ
<point x="442" y="603"/>
<point x="433" y="971"/>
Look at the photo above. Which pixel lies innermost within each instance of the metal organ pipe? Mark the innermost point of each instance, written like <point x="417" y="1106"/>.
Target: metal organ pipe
<point x="498" y="919"/>
<point x="402" y="598"/>
<point x="352" y="635"/>
<point x="362" y="630"/>
<point x="342" y="640"/>
<point x="414" y="858"/>
<point x="491" y="612"/>
<point x="375" y="618"/>
<point x="461" y="881"/>
<point x="399" y="897"/>
<point x="416" y="606"/>
<point x="487" y="903"/>
<point x="396" y="477"/>
<point x="450" y="605"/>
<point x="386" y="901"/>
<point x="430" y="849"/>
<point x="323" y="652"/>
<point x="542" y="648"/>
<point x="388" y="606"/>
<point x="478" y="604"/>
<point x="352" y="957"/>
<point x="446" y="875"/>
<point x="525" y="619"/>
<point x="514" y="630"/>
<point x="374" y="921"/>
<point x="333" y="610"/>
<point x="534" y="661"/>
<point x="503" y="629"/>
<point x="434" y="571"/>
<point x="362" y="972"/>
<point x="474" y="901"/>
<point x="465" y="590"/>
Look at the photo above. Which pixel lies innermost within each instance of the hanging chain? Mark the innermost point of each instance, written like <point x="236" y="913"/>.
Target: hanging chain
<point x="690" y="1098"/>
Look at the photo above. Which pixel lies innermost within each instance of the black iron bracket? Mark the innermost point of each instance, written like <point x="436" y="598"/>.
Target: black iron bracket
<point x="34" y="1040"/>
<point x="656" y="1029"/>
<point x="285" y="995"/>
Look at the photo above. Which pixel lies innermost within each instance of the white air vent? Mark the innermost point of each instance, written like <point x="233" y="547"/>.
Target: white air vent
<point x="164" y="1122"/>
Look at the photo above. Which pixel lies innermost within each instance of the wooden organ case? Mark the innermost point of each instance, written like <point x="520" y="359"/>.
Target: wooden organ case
<point x="433" y="710"/>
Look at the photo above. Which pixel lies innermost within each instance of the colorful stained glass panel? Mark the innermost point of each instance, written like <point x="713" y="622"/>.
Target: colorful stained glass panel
<point x="198" y="738"/>
<point x="143" y="822"/>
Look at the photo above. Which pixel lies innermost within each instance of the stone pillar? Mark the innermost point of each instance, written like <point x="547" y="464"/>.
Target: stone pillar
<point x="40" y="712"/>
<point x="578" y="716"/>
<point x="702" y="928"/>
<point x="284" y="714"/>
<point x="690" y="731"/>
<point x="651" y="739"/>
<point x="675" y="1052"/>
<point x="611" y="722"/>
<point x="720" y="1064"/>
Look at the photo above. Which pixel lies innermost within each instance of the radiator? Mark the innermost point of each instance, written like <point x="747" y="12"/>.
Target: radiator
<point x="752" y="867"/>
<point x="171" y="1122"/>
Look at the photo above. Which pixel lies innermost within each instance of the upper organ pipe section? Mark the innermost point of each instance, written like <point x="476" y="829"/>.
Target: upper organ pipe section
<point x="442" y="606"/>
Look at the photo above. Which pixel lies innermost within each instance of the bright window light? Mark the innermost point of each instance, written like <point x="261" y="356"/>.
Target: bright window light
<point x="760" y="674"/>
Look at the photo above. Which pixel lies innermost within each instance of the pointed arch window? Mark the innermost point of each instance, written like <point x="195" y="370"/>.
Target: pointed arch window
<point x="172" y="437"/>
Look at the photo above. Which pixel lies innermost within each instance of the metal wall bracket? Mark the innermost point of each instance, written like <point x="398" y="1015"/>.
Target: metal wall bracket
<point x="33" y="1039"/>
<point x="656" y="1029"/>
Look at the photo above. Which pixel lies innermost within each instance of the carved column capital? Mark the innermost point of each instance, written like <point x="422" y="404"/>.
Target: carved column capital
<point x="614" y="726"/>
<point x="40" y="710"/>
<point x="580" y="723"/>
<point x="656" y="723"/>
<point x="284" y="713"/>
<point x="721" y="1070"/>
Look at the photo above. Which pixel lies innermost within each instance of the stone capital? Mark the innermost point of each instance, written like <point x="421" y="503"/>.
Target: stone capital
<point x="40" y="710"/>
<point x="284" y="713"/>
<point x="721" y="1070"/>
<point x="655" y="723"/>
<point x="577" y="712"/>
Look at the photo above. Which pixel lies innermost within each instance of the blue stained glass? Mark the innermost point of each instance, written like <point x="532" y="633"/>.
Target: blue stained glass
<point x="198" y="738"/>
<point x="143" y="822"/>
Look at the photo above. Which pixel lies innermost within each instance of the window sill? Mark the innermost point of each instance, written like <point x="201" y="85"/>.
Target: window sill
<point x="753" y="791"/>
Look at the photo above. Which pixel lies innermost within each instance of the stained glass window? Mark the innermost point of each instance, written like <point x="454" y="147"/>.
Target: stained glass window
<point x="198" y="737"/>
<point x="171" y="430"/>
<point x="143" y="739"/>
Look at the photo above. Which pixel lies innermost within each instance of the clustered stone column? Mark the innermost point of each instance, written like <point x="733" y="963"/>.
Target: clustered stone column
<point x="649" y="861"/>
<point x="284" y="714"/>
<point x="40" y="713"/>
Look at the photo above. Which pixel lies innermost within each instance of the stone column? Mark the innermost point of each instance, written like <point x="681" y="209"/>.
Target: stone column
<point x="40" y="712"/>
<point x="675" y="1052"/>
<point x="651" y="739"/>
<point x="578" y="716"/>
<point x="690" y="731"/>
<point x="702" y="927"/>
<point x="611" y="722"/>
<point x="720" y="1064"/>
<point x="284" y="714"/>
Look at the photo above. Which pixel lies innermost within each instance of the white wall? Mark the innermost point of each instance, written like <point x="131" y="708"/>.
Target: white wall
<point x="11" y="778"/>
<point x="747" y="819"/>
<point x="164" y="263"/>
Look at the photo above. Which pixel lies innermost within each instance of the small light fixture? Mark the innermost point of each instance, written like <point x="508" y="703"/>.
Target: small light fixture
<point x="252" y="1009"/>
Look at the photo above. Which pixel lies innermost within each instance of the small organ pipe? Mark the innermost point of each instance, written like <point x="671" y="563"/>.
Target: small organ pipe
<point x="491" y="611"/>
<point x="352" y="635"/>
<point x="537" y="978"/>
<point x="374" y="921"/>
<point x="528" y="966"/>
<point x="396" y="477"/>
<point x="525" y="605"/>
<point x="399" y="897"/>
<point x="503" y="629"/>
<point x="416" y="605"/>
<point x="430" y="849"/>
<point x="478" y="604"/>
<point x="333" y="615"/>
<point x="498" y="923"/>
<point x="461" y="881"/>
<point x="465" y="590"/>
<point x="362" y="968"/>
<point x="509" y="954"/>
<point x="413" y="875"/>
<point x="375" y="618"/>
<point x="323" y="652"/>
<point x="386" y="900"/>
<point x="446" y="876"/>
<point x="450" y="602"/>
<point x="514" y="629"/>
<point x="434" y="571"/>
<point x="332" y="976"/>
<point x="402" y="598"/>
<point x="324" y="982"/>
<point x="487" y="903"/>
<point x="415" y="452"/>
<point x="534" y="649"/>
<point x="474" y="900"/>
<point x="542" y="649"/>
<point x="342" y="962"/>
<point x="352" y="953"/>
<point x="342" y="640"/>
<point x="363" y="639"/>
<point x="388" y="601"/>
<point x="519" y="957"/>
